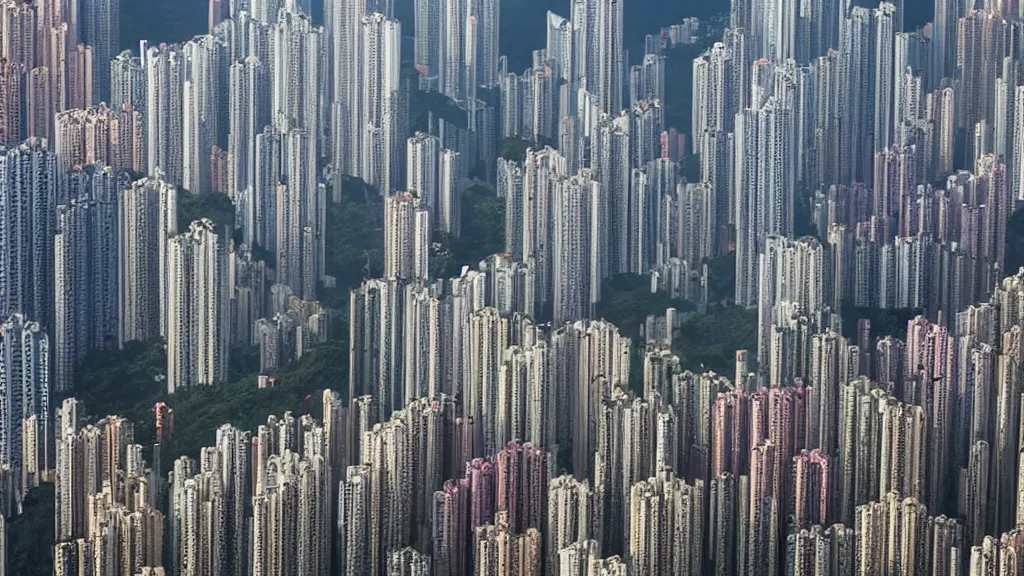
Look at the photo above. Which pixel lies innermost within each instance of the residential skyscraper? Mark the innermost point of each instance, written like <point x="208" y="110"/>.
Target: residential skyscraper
<point x="666" y="526"/>
<point x="28" y="194"/>
<point x="374" y="368"/>
<point x="353" y="521"/>
<point x="427" y="24"/>
<point x="296" y="75"/>
<point x="343" y="30"/>
<point x="291" y="515"/>
<point x="423" y="162"/>
<point x="576" y="259"/>
<point x="885" y="29"/>
<point x="248" y="114"/>
<point x="979" y="36"/>
<point x="725" y="516"/>
<point x="811" y="484"/>
<point x="774" y="29"/>
<point x="11" y="105"/>
<point x="647" y="80"/>
<point x="881" y="548"/>
<point x="482" y="51"/>
<point x="200" y="108"/>
<point x="697" y="222"/>
<point x="523" y="472"/>
<point x="528" y="200"/>
<point x="509" y="186"/>
<point x="18" y="48"/>
<point x="598" y="363"/>
<point x="792" y="276"/>
<point x="409" y="562"/>
<point x="715" y="98"/>
<point x="262" y="208"/>
<point x="378" y="140"/>
<point x="300" y="207"/>
<point x="388" y="449"/>
<point x="450" y="185"/>
<point x="856" y="107"/>
<point x="559" y="50"/>
<point x="599" y="51"/>
<point x="101" y="30"/>
<point x="583" y="558"/>
<point x="127" y="82"/>
<point x="165" y="81"/>
<point x="25" y="386"/>
<point x="197" y="311"/>
<point x="102" y="136"/>
<point x="68" y="515"/>
<point x="148" y="219"/>
<point x="466" y="506"/>
<point x="574" y="515"/>
<point x="764" y="180"/>
<point x="502" y="552"/>
<point x="85" y="269"/>
<point x="813" y="551"/>
<point x="944" y="37"/>
<point x="488" y="336"/>
<point x="102" y="482"/>
<point x="407" y="238"/>
<point x="765" y="508"/>
<point x="452" y="74"/>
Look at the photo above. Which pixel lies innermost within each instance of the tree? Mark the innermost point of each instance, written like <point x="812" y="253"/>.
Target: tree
<point x="677" y="107"/>
<point x="722" y="277"/>
<point x="514" y="149"/>
<point x="627" y="301"/>
<point x="422" y="104"/>
<point x="241" y="403"/>
<point x="353" y="241"/>
<point x="213" y="205"/>
<point x="483" y="232"/>
<point x="884" y="321"/>
<point x="1015" y="242"/>
<point x="690" y="168"/>
<point x="710" y="341"/>
<point x="30" y="534"/>
<point x="127" y="383"/>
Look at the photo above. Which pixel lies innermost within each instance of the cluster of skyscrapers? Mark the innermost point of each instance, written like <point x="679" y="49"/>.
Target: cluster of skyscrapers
<point x="832" y="456"/>
<point x="492" y="426"/>
<point x="97" y="256"/>
<point x="56" y="55"/>
<point x="904" y="152"/>
<point x="105" y="515"/>
<point x="841" y="457"/>
<point x="846" y="469"/>
<point x="25" y="410"/>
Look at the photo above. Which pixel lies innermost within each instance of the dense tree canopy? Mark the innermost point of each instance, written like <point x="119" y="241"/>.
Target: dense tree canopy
<point x="514" y="149"/>
<point x="129" y="383"/>
<point x="354" y="241"/>
<point x="884" y="321"/>
<point x="213" y="205"/>
<point x="1015" y="242"/>
<point x="710" y="341"/>
<point x="29" y="552"/>
<point x="627" y="301"/>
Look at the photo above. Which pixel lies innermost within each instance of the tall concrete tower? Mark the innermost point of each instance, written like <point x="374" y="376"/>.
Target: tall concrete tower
<point x="197" y="316"/>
